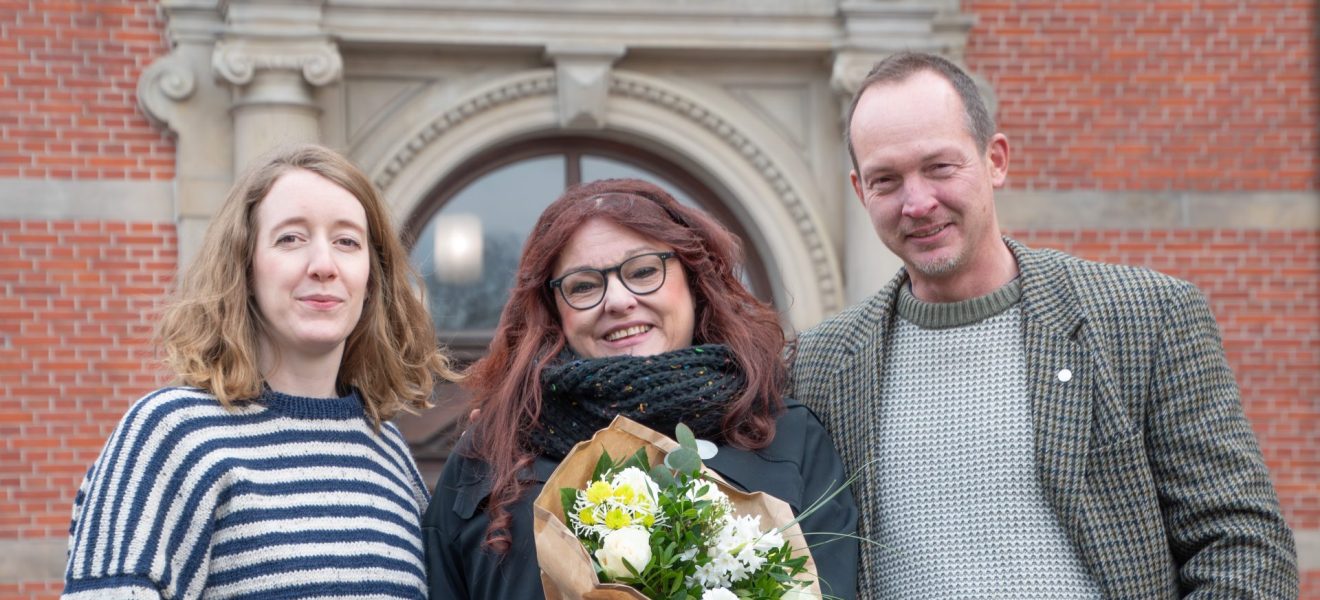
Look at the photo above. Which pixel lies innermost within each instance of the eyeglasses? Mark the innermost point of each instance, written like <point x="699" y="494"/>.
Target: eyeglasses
<point x="585" y="288"/>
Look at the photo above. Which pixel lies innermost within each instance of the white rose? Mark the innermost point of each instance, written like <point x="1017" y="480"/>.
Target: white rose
<point x="632" y="544"/>
<point x="719" y="594"/>
<point x="639" y="481"/>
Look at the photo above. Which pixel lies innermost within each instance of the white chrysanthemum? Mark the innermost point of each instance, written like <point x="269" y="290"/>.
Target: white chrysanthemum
<point x="640" y="483"/>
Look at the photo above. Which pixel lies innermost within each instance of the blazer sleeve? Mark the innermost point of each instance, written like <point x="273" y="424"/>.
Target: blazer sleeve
<point x="458" y="565"/>
<point x="1226" y="531"/>
<point x="823" y="473"/>
<point x="444" y="574"/>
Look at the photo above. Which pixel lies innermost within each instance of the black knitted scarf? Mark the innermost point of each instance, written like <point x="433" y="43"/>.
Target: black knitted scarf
<point x="580" y="396"/>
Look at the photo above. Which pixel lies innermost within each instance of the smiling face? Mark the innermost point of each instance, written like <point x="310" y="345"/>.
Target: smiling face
<point x="310" y="266"/>
<point x="624" y="322"/>
<point x="928" y="187"/>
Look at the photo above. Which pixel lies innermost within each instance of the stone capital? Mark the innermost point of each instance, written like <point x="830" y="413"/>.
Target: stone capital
<point x="168" y="81"/>
<point x="239" y="60"/>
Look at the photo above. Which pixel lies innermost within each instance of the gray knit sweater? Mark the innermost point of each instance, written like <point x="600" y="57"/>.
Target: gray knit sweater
<point x="963" y="513"/>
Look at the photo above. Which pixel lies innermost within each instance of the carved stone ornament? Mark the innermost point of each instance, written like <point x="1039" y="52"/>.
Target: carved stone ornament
<point x="849" y="69"/>
<point x="167" y="81"/>
<point x="237" y="61"/>
<point x="582" y="74"/>
<point x="622" y="84"/>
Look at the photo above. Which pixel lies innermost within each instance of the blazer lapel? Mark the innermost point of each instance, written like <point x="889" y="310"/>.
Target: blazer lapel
<point x="855" y="380"/>
<point x="1061" y="375"/>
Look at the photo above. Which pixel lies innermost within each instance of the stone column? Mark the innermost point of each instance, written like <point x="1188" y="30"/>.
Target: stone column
<point x="272" y="84"/>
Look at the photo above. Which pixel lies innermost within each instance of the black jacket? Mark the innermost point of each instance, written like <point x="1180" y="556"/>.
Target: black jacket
<point x="799" y="466"/>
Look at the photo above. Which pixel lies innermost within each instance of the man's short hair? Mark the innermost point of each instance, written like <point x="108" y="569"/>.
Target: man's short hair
<point x="899" y="67"/>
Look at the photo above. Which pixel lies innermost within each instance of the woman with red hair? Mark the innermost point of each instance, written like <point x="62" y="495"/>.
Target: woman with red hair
<point x="626" y="303"/>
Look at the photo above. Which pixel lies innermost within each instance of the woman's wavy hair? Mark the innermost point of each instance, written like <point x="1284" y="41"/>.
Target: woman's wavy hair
<point x="506" y="384"/>
<point x="209" y="331"/>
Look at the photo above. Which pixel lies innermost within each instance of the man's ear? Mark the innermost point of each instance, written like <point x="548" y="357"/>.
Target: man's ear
<point x="857" y="186"/>
<point x="996" y="154"/>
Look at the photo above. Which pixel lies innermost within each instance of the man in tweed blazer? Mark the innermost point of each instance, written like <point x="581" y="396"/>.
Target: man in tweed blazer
<point x="1142" y="476"/>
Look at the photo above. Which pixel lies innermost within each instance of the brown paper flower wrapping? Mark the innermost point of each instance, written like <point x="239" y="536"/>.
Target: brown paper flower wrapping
<point x="566" y="571"/>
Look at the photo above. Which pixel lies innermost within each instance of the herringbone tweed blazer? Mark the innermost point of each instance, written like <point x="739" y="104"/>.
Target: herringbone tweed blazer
<point x="1144" y="454"/>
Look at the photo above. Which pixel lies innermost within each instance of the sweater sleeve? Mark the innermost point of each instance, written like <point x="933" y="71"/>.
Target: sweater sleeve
<point x="129" y="537"/>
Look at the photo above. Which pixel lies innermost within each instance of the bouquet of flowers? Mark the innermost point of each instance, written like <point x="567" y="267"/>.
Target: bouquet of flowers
<point x="632" y="514"/>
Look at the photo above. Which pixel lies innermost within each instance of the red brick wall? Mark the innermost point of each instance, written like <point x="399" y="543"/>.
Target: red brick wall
<point x="75" y="323"/>
<point x="68" y="78"/>
<point x="1204" y="95"/>
<point x="30" y="591"/>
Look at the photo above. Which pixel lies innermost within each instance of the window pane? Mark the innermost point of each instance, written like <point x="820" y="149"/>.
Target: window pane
<point x="468" y="252"/>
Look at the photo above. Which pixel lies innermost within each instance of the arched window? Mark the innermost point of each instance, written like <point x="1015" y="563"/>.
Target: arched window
<point x="467" y="236"/>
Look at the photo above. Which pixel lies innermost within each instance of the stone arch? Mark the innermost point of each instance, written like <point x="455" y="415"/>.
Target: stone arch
<point x="662" y="117"/>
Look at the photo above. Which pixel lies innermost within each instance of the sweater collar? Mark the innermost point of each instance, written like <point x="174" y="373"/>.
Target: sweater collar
<point x="302" y="407"/>
<point x="945" y="315"/>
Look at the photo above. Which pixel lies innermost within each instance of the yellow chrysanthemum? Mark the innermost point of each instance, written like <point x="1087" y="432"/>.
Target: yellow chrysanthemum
<point x="625" y="494"/>
<point x="616" y="519"/>
<point x="648" y="520"/>
<point x="598" y="492"/>
<point x="586" y="517"/>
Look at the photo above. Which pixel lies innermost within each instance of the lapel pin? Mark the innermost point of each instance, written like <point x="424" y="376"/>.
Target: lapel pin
<point x="1065" y="375"/>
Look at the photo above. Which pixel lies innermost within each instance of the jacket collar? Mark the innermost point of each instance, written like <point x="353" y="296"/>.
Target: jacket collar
<point x="1048" y="297"/>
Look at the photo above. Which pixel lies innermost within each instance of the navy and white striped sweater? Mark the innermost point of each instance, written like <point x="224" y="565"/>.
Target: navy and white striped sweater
<point x="286" y="497"/>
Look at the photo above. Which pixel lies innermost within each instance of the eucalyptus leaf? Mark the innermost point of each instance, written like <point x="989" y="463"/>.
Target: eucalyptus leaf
<point x="685" y="437"/>
<point x="662" y="477"/>
<point x="684" y="460"/>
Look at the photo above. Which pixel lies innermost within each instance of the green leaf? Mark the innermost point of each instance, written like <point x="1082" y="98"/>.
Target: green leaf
<point x="568" y="497"/>
<point x="638" y="459"/>
<point x="685" y="437"/>
<point x="663" y="477"/>
<point x="603" y="466"/>
<point x="684" y="460"/>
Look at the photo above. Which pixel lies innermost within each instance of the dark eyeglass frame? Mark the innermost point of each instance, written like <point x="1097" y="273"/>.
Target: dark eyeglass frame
<point x="558" y="283"/>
